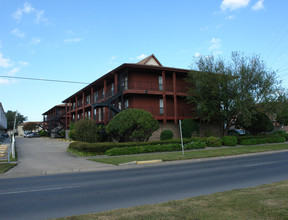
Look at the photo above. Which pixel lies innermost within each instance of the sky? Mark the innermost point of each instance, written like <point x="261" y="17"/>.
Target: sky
<point x="80" y="41"/>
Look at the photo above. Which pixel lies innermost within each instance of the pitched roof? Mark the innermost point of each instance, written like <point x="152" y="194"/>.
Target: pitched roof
<point x="151" y="60"/>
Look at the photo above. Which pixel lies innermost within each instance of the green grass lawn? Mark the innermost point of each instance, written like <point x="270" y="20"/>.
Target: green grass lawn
<point x="171" y="156"/>
<point x="262" y="202"/>
<point x="4" y="167"/>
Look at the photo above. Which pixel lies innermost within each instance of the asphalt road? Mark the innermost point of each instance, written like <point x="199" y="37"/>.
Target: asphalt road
<point x="53" y="196"/>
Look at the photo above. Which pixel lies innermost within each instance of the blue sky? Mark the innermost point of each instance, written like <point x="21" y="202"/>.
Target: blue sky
<point x="82" y="40"/>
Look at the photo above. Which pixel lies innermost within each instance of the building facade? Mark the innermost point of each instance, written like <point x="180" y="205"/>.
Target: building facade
<point x="145" y="85"/>
<point x="54" y="119"/>
<point x="3" y="119"/>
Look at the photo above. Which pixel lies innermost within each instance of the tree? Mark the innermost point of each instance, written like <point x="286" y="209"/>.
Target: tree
<point x="85" y="130"/>
<point x="10" y="115"/>
<point x="260" y="123"/>
<point x="224" y="91"/>
<point x="132" y="125"/>
<point x="31" y="126"/>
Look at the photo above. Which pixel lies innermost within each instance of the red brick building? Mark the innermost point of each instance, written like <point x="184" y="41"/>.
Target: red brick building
<point x="54" y="118"/>
<point x="145" y="85"/>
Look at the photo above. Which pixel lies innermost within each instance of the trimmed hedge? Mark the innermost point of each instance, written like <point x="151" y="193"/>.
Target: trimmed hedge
<point x="101" y="148"/>
<point x="154" y="148"/>
<point x="214" y="142"/>
<point x="166" y="135"/>
<point x="261" y="140"/>
<point x="229" y="140"/>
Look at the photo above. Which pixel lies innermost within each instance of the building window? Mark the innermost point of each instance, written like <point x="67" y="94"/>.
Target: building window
<point x="160" y="80"/>
<point x="112" y="89"/>
<point x="88" y="100"/>
<point x="103" y="93"/>
<point x="95" y="113"/>
<point x="99" y="115"/>
<point x="89" y="114"/>
<point x="161" y="106"/>
<point x="95" y="96"/>
<point x="126" y="103"/>
<point x="120" y="105"/>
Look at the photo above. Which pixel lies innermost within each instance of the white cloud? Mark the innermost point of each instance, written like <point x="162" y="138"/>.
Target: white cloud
<point x="13" y="71"/>
<point x="258" y="6"/>
<point x="215" y="44"/>
<point x="231" y="17"/>
<point x="18" y="33"/>
<point x="35" y="40"/>
<point x="28" y="9"/>
<point x="142" y="56"/>
<point x="17" y="15"/>
<point x="72" y="40"/>
<point x="234" y="4"/>
<point x="198" y="54"/>
<point x="113" y="57"/>
<point x="23" y="63"/>
<point x="4" y="62"/>
<point x="4" y="81"/>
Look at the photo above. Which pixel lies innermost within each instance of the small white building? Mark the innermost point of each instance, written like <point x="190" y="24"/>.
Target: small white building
<point x="3" y="119"/>
<point x="21" y="130"/>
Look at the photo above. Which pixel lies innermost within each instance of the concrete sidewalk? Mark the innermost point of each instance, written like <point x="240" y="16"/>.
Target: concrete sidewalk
<point x="4" y="149"/>
<point x="43" y="156"/>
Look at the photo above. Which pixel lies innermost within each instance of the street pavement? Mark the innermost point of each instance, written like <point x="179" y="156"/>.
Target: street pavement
<point x="43" y="156"/>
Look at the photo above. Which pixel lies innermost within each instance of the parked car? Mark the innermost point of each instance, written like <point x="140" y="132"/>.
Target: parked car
<point x="236" y="132"/>
<point x="26" y="133"/>
<point x="32" y="135"/>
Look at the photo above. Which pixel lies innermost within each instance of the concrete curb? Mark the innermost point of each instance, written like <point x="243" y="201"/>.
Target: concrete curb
<point x="140" y="162"/>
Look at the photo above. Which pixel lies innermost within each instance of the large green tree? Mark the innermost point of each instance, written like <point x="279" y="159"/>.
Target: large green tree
<point x="222" y="91"/>
<point x="10" y="115"/>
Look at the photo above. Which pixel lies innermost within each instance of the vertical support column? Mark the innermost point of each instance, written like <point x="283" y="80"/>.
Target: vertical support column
<point x="175" y="97"/>
<point x="116" y="83"/>
<point x="91" y="102"/>
<point x="76" y="109"/>
<point x="104" y="98"/>
<point x="69" y="114"/>
<point x="66" y="122"/>
<point x="83" y="106"/>
<point x="164" y="97"/>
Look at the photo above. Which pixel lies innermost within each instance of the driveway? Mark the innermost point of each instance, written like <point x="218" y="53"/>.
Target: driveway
<point x="42" y="156"/>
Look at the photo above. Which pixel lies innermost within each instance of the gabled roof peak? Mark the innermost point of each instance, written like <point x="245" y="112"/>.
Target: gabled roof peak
<point x="150" y="60"/>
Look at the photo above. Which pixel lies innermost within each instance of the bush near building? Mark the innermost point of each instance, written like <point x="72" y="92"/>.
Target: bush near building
<point x="166" y="135"/>
<point x="132" y="125"/>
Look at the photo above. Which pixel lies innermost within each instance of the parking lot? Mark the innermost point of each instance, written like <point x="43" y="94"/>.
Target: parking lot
<point x="43" y="156"/>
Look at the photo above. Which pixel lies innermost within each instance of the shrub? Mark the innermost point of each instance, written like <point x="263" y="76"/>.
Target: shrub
<point x="153" y="148"/>
<point x="132" y="125"/>
<point x="101" y="148"/>
<point x="279" y="132"/>
<point x="253" y="141"/>
<point x="229" y="140"/>
<point x="85" y="131"/>
<point x="166" y="135"/>
<point x="189" y="128"/>
<point x="214" y="142"/>
<point x="278" y="139"/>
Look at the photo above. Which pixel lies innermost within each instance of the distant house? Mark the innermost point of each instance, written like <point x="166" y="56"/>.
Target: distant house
<point x="3" y="119"/>
<point x="21" y="130"/>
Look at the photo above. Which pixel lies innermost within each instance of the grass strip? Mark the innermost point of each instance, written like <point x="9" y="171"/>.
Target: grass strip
<point x="268" y="201"/>
<point x="171" y="156"/>
<point x="4" y="167"/>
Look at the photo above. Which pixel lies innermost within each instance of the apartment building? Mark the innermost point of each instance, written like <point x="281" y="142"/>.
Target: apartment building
<point x="145" y="85"/>
<point x="3" y="119"/>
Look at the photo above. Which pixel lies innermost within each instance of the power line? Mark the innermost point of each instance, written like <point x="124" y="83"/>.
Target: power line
<point x="47" y="80"/>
